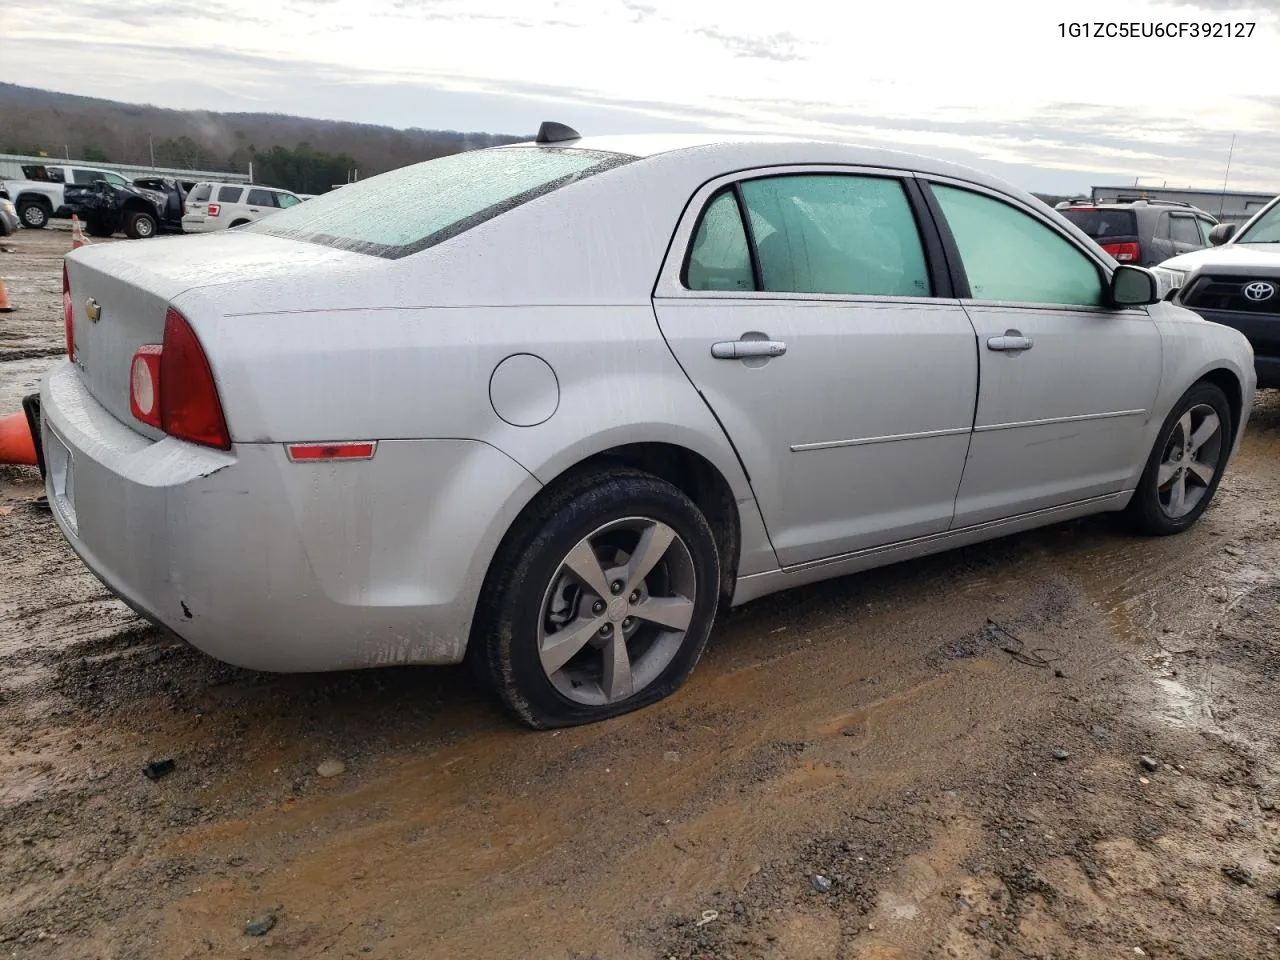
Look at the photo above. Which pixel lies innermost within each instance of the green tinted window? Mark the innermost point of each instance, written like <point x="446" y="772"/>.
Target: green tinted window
<point x="718" y="259"/>
<point x="1009" y="255"/>
<point x="832" y="233"/>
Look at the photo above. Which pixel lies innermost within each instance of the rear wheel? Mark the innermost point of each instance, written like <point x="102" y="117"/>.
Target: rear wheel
<point x="599" y="603"/>
<point x="33" y="214"/>
<point x="1186" y="464"/>
<point x="139" y="226"/>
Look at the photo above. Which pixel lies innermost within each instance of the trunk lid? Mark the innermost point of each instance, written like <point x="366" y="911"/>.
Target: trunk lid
<point x="130" y="287"/>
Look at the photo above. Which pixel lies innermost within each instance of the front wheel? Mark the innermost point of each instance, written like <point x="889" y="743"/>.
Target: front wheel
<point x="599" y="603"/>
<point x="33" y="214"/>
<point x="1186" y="464"/>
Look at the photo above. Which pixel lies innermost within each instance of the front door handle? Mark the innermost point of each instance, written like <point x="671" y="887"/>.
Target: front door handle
<point x="740" y="349"/>
<point x="1012" y="341"/>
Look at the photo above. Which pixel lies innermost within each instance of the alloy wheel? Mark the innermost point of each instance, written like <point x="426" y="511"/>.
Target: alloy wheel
<point x="616" y="611"/>
<point x="1190" y="461"/>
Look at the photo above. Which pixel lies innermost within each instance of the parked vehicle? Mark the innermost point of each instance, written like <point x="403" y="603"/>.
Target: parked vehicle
<point x="140" y="209"/>
<point x="548" y="407"/>
<point x="1141" y="232"/>
<point x="1236" y="282"/>
<point x="219" y="206"/>
<point x="9" y="221"/>
<point x="40" y="196"/>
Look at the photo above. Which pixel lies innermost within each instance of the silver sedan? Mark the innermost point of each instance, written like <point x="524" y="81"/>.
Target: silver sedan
<point x="549" y="407"/>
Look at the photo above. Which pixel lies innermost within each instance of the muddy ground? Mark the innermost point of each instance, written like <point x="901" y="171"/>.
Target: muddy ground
<point x="940" y="759"/>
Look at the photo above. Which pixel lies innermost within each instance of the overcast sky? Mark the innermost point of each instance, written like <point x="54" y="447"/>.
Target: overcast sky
<point x="990" y="82"/>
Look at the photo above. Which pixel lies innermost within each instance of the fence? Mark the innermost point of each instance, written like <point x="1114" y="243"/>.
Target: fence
<point x="11" y="169"/>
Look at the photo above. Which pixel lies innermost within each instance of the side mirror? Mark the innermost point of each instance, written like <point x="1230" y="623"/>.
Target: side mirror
<point x="1222" y="232"/>
<point x="1133" y="287"/>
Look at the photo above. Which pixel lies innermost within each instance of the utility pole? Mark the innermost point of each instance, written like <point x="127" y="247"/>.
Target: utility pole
<point x="1222" y="203"/>
<point x="152" y="147"/>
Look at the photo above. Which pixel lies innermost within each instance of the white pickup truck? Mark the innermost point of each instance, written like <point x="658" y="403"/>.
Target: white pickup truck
<point x="38" y="197"/>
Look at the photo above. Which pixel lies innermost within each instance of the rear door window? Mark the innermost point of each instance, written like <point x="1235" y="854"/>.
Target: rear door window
<point x="230" y="194"/>
<point x="836" y="234"/>
<point x="1183" y="229"/>
<point x="719" y="258"/>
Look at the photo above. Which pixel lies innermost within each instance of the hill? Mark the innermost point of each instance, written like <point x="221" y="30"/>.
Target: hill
<point x="297" y="153"/>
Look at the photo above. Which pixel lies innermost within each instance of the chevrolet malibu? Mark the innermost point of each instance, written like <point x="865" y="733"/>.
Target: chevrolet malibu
<point x="548" y="407"/>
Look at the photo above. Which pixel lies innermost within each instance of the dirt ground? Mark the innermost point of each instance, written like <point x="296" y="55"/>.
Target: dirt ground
<point x="940" y="759"/>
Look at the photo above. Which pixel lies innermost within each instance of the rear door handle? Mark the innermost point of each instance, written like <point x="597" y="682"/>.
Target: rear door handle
<point x="739" y="349"/>
<point x="1012" y="341"/>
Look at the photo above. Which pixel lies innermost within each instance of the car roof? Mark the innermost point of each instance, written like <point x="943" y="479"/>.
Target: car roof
<point x="736" y="151"/>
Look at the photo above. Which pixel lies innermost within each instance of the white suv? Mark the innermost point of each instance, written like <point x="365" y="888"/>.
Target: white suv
<point x="217" y="206"/>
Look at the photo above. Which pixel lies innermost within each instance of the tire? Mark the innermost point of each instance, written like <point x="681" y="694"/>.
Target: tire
<point x="99" y="227"/>
<point x="139" y="226"/>
<point x="33" y="214"/>
<point x="530" y="596"/>
<point x="1156" y="509"/>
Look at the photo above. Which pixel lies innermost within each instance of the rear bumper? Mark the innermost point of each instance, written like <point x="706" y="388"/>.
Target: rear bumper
<point x="200" y="224"/>
<point x="1263" y="333"/>
<point x="275" y="565"/>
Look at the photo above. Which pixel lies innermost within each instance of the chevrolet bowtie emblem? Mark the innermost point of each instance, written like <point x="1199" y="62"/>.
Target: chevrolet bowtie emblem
<point x="93" y="308"/>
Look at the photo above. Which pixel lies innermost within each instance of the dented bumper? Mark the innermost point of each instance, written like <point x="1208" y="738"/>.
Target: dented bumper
<point x="275" y="565"/>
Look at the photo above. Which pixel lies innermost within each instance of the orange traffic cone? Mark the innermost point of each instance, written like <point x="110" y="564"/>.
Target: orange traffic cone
<point x="78" y="238"/>
<point x="16" y="445"/>
<point x="5" y="306"/>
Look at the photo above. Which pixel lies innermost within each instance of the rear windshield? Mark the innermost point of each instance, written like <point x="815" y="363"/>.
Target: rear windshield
<point x="201" y="193"/>
<point x="1104" y="224"/>
<point x="407" y="210"/>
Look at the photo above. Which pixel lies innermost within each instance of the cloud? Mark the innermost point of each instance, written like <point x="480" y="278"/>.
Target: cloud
<point x="640" y="11"/>
<point x="780" y="46"/>
<point x="1003" y="90"/>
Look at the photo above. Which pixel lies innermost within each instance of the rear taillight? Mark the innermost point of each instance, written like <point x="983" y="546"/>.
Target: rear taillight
<point x="68" y="314"/>
<point x="144" y="385"/>
<point x="213" y="209"/>
<point x="1124" y="252"/>
<point x="171" y="387"/>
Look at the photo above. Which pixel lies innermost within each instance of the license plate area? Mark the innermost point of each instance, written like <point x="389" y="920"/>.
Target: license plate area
<point x="61" y="467"/>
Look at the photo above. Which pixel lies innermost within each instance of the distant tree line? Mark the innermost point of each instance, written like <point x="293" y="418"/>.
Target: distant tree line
<point x="305" y="155"/>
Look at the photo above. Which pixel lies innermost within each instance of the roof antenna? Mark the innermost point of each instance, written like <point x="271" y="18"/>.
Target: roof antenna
<point x="552" y="132"/>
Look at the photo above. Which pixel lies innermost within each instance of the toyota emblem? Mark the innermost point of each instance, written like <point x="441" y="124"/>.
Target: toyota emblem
<point x="1259" y="290"/>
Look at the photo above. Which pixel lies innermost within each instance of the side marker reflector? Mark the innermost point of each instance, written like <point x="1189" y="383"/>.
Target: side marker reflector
<point x="342" y="450"/>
